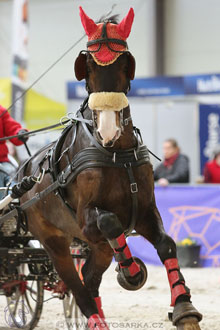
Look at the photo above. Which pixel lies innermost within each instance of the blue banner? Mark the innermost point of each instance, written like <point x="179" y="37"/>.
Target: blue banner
<point x="76" y="90"/>
<point x="209" y="131"/>
<point x="202" y="84"/>
<point x="186" y="211"/>
<point x="160" y="86"/>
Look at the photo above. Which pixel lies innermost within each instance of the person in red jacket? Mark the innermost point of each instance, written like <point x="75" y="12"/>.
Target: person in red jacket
<point x="212" y="168"/>
<point x="8" y="127"/>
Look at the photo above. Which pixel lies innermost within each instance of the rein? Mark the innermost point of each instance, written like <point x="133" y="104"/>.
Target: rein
<point x="62" y="123"/>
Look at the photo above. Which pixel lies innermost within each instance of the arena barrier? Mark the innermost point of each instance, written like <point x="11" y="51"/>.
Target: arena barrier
<point x="187" y="211"/>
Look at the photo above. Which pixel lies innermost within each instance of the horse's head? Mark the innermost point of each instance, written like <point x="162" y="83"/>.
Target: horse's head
<point x="108" y="68"/>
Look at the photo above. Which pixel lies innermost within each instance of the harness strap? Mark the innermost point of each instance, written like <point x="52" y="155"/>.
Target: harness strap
<point x="107" y="41"/>
<point x="92" y="139"/>
<point x="134" y="197"/>
<point x="29" y="203"/>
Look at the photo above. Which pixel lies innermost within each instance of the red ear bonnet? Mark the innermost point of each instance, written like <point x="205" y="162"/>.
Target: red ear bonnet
<point x="89" y="25"/>
<point x="124" y="28"/>
<point x="107" y="55"/>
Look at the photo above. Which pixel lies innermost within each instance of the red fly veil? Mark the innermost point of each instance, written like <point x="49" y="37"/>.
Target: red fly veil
<point x="107" y="41"/>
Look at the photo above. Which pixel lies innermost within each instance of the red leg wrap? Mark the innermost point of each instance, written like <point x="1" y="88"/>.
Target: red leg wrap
<point x="96" y="323"/>
<point x="118" y="242"/>
<point x="124" y="254"/>
<point x="132" y="270"/>
<point x="99" y="306"/>
<point x="177" y="284"/>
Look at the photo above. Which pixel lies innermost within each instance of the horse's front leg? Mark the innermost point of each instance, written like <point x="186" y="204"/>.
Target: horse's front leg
<point x="131" y="273"/>
<point x="185" y="316"/>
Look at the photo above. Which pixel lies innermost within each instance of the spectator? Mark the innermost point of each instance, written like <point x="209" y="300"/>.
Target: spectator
<point x="175" y="166"/>
<point x="8" y="126"/>
<point x="212" y="168"/>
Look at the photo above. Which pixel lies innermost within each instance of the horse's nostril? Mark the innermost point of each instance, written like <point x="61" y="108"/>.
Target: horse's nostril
<point x="109" y="144"/>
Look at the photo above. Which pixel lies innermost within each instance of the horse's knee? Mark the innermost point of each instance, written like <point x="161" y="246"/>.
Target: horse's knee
<point x="166" y="248"/>
<point x="109" y="224"/>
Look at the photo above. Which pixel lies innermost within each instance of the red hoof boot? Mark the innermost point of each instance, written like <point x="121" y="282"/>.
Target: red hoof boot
<point x="96" y="323"/>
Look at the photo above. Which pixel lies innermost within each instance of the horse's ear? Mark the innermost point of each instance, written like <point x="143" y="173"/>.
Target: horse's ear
<point x="131" y="66"/>
<point x="80" y="67"/>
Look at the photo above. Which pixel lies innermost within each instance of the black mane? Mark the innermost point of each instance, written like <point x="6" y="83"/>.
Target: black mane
<point x="112" y="19"/>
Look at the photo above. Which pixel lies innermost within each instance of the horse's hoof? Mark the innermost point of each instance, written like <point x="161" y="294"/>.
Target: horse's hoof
<point x="95" y="322"/>
<point x="186" y="317"/>
<point x="135" y="282"/>
<point x="188" y="323"/>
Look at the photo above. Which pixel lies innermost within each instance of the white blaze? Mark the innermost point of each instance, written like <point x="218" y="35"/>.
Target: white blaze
<point x="108" y="128"/>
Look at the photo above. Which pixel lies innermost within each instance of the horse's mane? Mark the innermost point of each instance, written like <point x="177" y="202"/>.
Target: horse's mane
<point x="112" y="19"/>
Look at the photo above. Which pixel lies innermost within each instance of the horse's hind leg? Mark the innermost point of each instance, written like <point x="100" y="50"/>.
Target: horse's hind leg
<point x="93" y="269"/>
<point x="57" y="245"/>
<point x="185" y="316"/>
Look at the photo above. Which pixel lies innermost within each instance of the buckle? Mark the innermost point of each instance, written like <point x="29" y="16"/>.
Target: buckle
<point x="126" y="121"/>
<point x="134" y="188"/>
<point x="38" y="179"/>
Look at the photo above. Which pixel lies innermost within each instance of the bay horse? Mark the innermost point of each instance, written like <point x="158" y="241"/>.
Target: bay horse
<point x="106" y="183"/>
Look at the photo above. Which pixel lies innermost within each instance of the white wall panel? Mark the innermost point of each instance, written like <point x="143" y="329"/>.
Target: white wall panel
<point x="192" y="38"/>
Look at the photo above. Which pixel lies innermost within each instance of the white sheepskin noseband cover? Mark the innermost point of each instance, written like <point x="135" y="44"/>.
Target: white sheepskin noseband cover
<point x="107" y="101"/>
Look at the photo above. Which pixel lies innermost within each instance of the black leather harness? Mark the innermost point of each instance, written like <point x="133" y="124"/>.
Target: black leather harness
<point x="91" y="157"/>
<point x="98" y="157"/>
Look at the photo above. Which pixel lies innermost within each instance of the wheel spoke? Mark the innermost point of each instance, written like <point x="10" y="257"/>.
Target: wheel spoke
<point x="18" y="295"/>
<point x="23" y="312"/>
<point x="28" y="303"/>
<point x="29" y="288"/>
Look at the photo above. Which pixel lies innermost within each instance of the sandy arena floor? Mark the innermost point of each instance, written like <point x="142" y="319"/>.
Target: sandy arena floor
<point x="146" y="308"/>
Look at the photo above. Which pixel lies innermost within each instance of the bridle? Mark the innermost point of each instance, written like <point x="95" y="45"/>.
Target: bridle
<point x="107" y="41"/>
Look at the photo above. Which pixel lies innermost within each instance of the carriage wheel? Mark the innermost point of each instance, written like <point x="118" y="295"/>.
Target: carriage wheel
<point x="75" y="319"/>
<point x="25" y="303"/>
